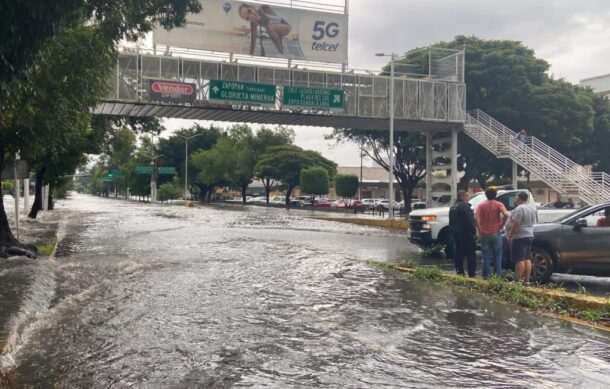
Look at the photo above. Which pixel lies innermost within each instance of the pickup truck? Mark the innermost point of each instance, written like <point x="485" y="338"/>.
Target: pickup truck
<point x="430" y="226"/>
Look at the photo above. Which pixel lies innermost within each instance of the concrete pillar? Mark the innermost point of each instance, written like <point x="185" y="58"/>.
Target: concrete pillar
<point x="515" y="175"/>
<point x="454" y="171"/>
<point x="428" y="169"/>
<point x="26" y="194"/>
<point x="45" y="197"/>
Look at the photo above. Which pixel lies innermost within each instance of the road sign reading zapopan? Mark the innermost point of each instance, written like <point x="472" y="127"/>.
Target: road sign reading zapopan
<point x="242" y="92"/>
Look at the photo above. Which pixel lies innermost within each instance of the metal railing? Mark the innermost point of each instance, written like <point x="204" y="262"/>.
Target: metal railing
<point x="366" y="95"/>
<point x="555" y="169"/>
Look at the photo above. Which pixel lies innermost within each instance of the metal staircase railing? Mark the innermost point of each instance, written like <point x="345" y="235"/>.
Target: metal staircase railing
<point x="556" y="170"/>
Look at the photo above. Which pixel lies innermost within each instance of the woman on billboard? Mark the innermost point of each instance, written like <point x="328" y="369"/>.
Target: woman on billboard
<point x="277" y="28"/>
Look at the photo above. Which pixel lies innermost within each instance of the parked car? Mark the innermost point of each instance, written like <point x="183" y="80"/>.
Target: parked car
<point x="385" y="204"/>
<point x="571" y="244"/>
<point x="339" y="204"/>
<point x="323" y="203"/>
<point x="277" y="200"/>
<point x="358" y="206"/>
<point x="430" y="226"/>
<point x="370" y="203"/>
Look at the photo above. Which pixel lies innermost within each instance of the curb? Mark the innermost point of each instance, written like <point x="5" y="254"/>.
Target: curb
<point x="575" y="301"/>
<point x="398" y="224"/>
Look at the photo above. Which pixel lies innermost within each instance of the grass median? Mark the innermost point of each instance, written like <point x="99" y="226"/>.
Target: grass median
<point x="543" y="298"/>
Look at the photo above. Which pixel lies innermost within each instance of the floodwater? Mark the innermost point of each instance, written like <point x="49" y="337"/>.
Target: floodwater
<point x="169" y="297"/>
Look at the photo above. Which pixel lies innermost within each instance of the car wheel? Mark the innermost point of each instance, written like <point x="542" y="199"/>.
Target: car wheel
<point x="445" y="240"/>
<point x="542" y="265"/>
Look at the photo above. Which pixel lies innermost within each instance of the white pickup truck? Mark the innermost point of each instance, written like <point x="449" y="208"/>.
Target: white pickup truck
<point x="430" y="226"/>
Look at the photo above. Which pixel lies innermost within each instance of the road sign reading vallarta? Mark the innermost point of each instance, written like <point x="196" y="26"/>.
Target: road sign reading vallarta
<point x="301" y="97"/>
<point x="262" y="30"/>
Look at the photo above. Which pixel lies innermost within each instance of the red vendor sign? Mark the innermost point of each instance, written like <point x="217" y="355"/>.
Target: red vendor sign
<point x="171" y="91"/>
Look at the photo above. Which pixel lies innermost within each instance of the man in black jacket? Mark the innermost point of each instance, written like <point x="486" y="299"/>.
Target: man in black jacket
<point x="463" y="229"/>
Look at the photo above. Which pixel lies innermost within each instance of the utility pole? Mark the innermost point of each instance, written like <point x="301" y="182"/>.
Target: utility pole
<point x="391" y="146"/>
<point x="186" y="160"/>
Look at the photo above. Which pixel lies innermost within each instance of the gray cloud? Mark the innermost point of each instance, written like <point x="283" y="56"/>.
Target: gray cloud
<point x="573" y="36"/>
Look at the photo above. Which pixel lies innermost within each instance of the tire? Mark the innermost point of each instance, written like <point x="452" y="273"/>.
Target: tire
<point x="444" y="238"/>
<point x="542" y="265"/>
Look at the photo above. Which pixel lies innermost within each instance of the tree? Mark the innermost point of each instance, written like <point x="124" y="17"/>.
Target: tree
<point x="266" y="138"/>
<point x="284" y="164"/>
<point x="505" y="79"/>
<point x="346" y="185"/>
<point x="214" y="167"/>
<point x="29" y="26"/>
<point x="168" y="191"/>
<point x="172" y="150"/>
<point x="314" y="181"/>
<point x="409" y="155"/>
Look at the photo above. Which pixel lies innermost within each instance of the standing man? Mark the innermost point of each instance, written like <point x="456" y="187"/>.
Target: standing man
<point x="520" y="235"/>
<point x="461" y="223"/>
<point x="490" y="216"/>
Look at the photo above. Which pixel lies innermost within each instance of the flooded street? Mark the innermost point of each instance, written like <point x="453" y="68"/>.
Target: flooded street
<point x="170" y="297"/>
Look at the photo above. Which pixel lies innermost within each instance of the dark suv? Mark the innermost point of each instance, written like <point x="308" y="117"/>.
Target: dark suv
<point x="572" y="244"/>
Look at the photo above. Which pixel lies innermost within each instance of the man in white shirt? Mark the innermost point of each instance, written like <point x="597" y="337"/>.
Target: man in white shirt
<point x="520" y="235"/>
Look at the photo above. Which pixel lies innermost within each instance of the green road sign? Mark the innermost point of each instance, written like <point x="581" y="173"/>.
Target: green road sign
<point x="242" y="92"/>
<point x="115" y="174"/>
<point x="298" y="96"/>
<point x="144" y="169"/>
<point x="164" y="170"/>
<point x="107" y="179"/>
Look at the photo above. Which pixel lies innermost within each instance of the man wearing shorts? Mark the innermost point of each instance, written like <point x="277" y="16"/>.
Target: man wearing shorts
<point x="520" y="235"/>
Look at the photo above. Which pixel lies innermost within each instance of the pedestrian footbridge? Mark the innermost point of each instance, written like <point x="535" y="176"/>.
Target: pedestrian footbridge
<point x="433" y="104"/>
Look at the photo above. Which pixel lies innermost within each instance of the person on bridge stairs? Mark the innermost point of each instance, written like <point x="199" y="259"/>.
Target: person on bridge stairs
<point x="463" y="229"/>
<point x="490" y="216"/>
<point x="520" y="236"/>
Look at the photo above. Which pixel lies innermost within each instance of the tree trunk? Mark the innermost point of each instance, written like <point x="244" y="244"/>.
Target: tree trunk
<point x="268" y="185"/>
<point x="244" y="188"/>
<point x="288" y="193"/>
<point x="37" y="204"/>
<point x="6" y="236"/>
<point x="51" y="204"/>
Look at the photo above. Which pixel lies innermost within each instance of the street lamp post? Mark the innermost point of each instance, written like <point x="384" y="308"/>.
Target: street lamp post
<point x="391" y="164"/>
<point x="186" y="160"/>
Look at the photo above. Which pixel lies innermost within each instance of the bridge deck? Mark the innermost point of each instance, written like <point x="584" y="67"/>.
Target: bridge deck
<point x="420" y="104"/>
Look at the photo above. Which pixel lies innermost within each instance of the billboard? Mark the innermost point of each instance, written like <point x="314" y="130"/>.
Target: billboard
<point x="262" y="30"/>
<point x="171" y="91"/>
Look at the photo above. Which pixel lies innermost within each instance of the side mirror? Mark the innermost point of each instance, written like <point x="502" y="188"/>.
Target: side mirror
<point x="580" y="223"/>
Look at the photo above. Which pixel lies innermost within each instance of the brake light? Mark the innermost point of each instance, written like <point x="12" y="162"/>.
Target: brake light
<point x="429" y="218"/>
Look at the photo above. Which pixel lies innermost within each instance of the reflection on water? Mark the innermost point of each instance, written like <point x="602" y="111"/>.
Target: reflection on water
<point x="152" y="296"/>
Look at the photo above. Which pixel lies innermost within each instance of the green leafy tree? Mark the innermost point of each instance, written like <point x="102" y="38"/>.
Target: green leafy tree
<point x="30" y="29"/>
<point x="168" y="191"/>
<point x="409" y="155"/>
<point x="284" y="164"/>
<point x="173" y="150"/>
<point x="314" y="181"/>
<point x="214" y="167"/>
<point x="346" y="185"/>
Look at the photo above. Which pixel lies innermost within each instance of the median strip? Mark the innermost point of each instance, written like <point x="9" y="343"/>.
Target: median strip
<point x="582" y="309"/>
<point x="399" y="224"/>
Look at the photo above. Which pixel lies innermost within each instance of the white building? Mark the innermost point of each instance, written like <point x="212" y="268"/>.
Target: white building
<point x="599" y="84"/>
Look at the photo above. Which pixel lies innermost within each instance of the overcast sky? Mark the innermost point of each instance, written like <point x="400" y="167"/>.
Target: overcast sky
<point x="573" y="36"/>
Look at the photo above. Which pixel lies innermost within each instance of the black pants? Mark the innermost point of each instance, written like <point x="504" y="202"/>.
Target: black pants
<point x="465" y="246"/>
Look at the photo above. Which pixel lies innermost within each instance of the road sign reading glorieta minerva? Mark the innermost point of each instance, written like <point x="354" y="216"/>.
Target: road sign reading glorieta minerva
<point x="144" y="169"/>
<point x="242" y="92"/>
<point x="163" y="170"/>
<point x="297" y="96"/>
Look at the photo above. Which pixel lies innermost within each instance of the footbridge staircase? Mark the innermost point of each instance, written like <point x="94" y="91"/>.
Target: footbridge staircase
<point x="559" y="172"/>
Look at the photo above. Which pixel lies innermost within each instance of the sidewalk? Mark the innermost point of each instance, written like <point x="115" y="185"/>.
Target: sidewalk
<point x="23" y="280"/>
